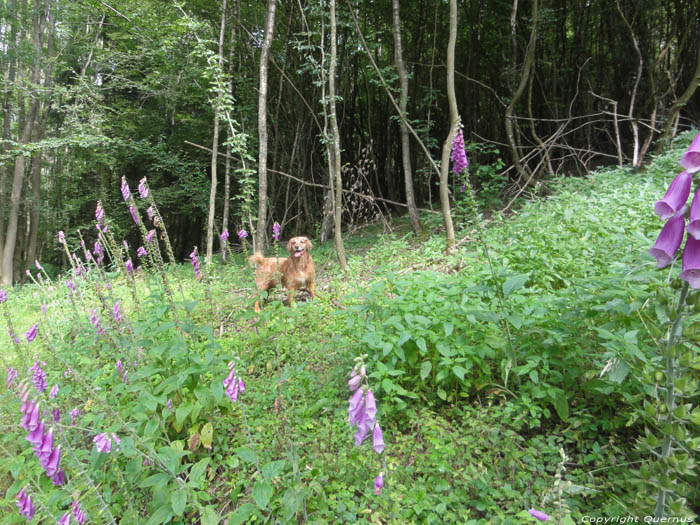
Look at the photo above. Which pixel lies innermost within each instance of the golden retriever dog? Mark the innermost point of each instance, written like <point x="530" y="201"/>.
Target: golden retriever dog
<point x="296" y="271"/>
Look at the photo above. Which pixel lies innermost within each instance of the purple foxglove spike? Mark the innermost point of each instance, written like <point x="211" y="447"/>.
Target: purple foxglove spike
<point x="54" y="459"/>
<point x="242" y="234"/>
<point x="693" y="227"/>
<point x="61" y="237"/>
<point x="458" y="156"/>
<point x="229" y="378"/>
<point x="669" y="241"/>
<point x="56" y="413"/>
<point x="691" y="262"/>
<point x="3" y="296"/>
<point x="143" y="188"/>
<point x="78" y="513"/>
<point x="11" y="376"/>
<point x="103" y="443"/>
<point x="676" y="196"/>
<point x="241" y="385"/>
<point x="36" y="436"/>
<point x="224" y="236"/>
<point x="54" y="392"/>
<point x="129" y="266"/>
<point x="65" y="519"/>
<point x="134" y="215"/>
<point x="59" y="478"/>
<point x="356" y="400"/>
<point x="370" y="405"/>
<point x="377" y="439"/>
<point x="378" y="484"/>
<point x="125" y="189"/>
<point x="150" y="235"/>
<point x="354" y="382"/>
<point x="691" y="158"/>
<point x="538" y="514"/>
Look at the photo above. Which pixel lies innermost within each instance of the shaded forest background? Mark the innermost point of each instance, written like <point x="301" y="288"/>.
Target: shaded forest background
<point x="94" y="91"/>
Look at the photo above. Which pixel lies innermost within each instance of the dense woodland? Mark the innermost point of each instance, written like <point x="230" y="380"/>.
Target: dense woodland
<point x="93" y="91"/>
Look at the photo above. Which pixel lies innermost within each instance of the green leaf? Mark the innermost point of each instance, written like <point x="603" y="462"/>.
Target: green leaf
<point x="619" y="372"/>
<point x="154" y="480"/>
<point x="178" y="500"/>
<point x="181" y="414"/>
<point x="420" y="342"/>
<point x="206" y="437"/>
<point x="246" y="454"/>
<point x="273" y="469"/>
<point x="561" y="405"/>
<point x="242" y="514"/>
<point x="459" y="372"/>
<point x="262" y="492"/>
<point x="209" y="516"/>
<point x="442" y="394"/>
<point x="425" y="369"/>
<point x="449" y="328"/>
<point x="162" y="515"/>
<point x="514" y="283"/>
<point x="197" y="472"/>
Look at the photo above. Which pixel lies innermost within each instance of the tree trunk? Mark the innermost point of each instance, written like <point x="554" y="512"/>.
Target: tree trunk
<point x="447" y="145"/>
<point x="260" y="234"/>
<point x="215" y="144"/>
<point x="403" y="103"/>
<point x="339" y="246"/>
<point x="524" y="79"/>
<point x="636" y="161"/>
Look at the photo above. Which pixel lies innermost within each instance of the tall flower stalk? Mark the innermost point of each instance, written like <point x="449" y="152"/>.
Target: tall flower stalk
<point x="671" y="450"/>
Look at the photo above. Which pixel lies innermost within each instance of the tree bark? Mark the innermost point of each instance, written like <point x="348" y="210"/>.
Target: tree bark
<point x="215" y="144"/>
<point x="447" y="145"/>
<point x="260" y="234"/>
<point x="403" y="103"/>
<point x="524" y="79"/>
<point x="335" y="174"/>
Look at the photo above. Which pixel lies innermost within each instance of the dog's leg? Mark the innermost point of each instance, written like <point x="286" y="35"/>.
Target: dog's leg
<point x="291" y="297"/>
<point x="312" y="289"/>
<point x="256" y="306"/>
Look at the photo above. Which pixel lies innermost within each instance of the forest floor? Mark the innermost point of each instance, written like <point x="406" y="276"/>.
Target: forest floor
<point x="487" y="368"/>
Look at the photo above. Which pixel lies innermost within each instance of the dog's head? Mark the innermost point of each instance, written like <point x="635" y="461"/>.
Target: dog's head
<point x="298" y="245"/>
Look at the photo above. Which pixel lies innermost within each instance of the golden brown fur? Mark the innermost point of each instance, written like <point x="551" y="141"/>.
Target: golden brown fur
<point x="295" y="272"/>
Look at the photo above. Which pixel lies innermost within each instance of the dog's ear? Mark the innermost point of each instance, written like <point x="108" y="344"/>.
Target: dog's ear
<point x="289" y="245"/>
<point x="308" y="243"/>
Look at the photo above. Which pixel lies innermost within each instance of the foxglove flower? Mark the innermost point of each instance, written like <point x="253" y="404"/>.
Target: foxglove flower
<point x="36" y="436"/>
<point x="675" y="197"/>
<point x="117" y="312"/>
<point x="538" y="514"/>
<point x="169" y="404"/>
<point x="141" y="251"/>
<point x="59" y="478"/>
<point x="377" y="439"/>
<point x="150" y="235"/>
<point x="70" y="285"/>
<point x="74" y="415"/>
<point x="25" y="505"/>
<point x="65" y="519"/>
<point x="125" y="189"/>
<point x="150" y="213"/>
<point x="3" y="295"/>
<point x="276" y="231"/>
<point x="224" y="236"/>
<point x="56" y="414"/>
<point x="129" y="266"/>
<point x="355" y="407"/>
<point x="103" y="442"/>
<point x="354" y="382"/>
<point x="669" y="241"/>
<point x="459" y="156"/>
<point x="119" y="365"/>
<point x="39" y="376"/>
<point x="143" y="188"/>
<point x="54" y="392"/>
<point x="242" y="234"/>
<point x="31" y="333"/>
<point x="61" y="237"/>
<point x="378" y="484"/>
<point x="691" y="158"/>
<point x="78" y="513"/>
<point x="97" y="250"/>
<point x="691" y="262"/>
<point x="134" y="216"/>
<point x="195" y="264"/>
<point x="38" y="266"/>
<point x="99" y="215"/>
<point x="693" y="227"/>
<point x="11" y="376"/>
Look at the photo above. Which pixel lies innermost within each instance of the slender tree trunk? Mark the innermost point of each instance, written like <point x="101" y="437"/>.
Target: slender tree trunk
<point x="524" y="79"/>
<point x="227" y="167"/>
<point x="403" y="103"/>
<point x="8" y="252"/>
<point x="339" y="246"/>
<point x="260" y="234"/>
<point x="636" y="161"/>
<point x="215" y="144"/>
<point x="447" y="145"/>
<point x="675" y="110"/>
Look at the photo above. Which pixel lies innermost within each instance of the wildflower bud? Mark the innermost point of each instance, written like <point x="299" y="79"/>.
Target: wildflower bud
<point x="538" y="514"/>
<point x="378" y="484"/>
<point x="354" y="382"/>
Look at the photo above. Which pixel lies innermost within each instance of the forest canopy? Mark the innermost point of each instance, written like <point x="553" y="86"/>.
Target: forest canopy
<point x="95" y="91"/>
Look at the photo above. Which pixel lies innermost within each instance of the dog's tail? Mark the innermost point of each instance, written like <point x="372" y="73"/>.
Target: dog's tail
<point x="256" y="259"/>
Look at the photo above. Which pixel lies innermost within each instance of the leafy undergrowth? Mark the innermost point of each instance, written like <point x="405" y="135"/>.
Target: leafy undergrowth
<point x="495" y="394"/>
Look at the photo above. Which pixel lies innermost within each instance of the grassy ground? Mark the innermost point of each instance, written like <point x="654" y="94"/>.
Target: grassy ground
<point x="483" y="449"/>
